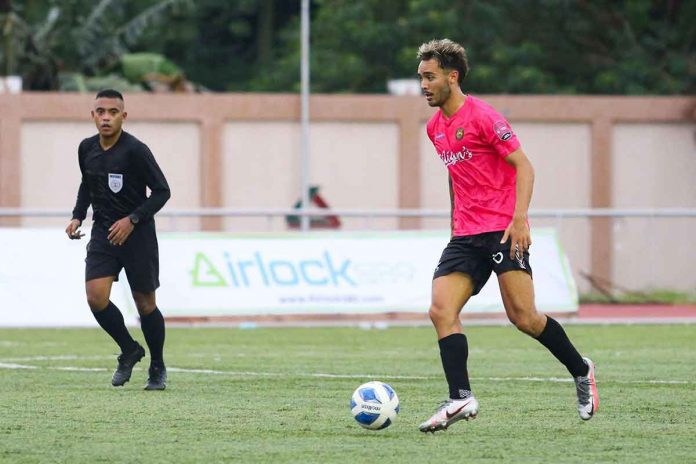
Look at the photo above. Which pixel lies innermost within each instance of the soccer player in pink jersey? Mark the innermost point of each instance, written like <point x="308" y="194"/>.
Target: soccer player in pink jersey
<point x="490" y="183"/>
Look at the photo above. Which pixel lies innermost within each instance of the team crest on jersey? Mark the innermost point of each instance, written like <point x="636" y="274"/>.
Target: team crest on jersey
<point x="115" y="182"/>
<point x="502" y="130"/>
<point x="460" y="133"/>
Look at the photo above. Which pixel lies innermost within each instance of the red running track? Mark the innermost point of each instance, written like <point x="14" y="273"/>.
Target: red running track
<point x="632" y="314"/>
<point x="597" y="311"/>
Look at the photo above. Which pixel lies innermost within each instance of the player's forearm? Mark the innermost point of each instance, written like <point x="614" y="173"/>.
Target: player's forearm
<point x="153" y="204"/>
<point x="525" y="185"/>
<point x="82" y="203"/>
<point x="159" y="188"/>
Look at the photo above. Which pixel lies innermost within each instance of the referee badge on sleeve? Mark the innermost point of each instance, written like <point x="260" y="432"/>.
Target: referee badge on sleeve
<point x="115" y="182"/>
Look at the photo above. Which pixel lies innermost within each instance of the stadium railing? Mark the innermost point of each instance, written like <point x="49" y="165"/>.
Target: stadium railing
<point x="560" y="213"/>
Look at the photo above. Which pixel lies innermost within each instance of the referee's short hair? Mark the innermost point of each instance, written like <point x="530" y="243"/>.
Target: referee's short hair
<point x="109" y="93"/>
<point x="450" y="55"/>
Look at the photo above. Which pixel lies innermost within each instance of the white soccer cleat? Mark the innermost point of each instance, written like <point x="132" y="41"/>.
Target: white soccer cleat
<point x="586" y="388"/>
<point x="449" y="412"/>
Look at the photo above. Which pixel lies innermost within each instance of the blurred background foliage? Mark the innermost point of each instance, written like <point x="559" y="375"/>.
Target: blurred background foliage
<point x="515" y="46"/>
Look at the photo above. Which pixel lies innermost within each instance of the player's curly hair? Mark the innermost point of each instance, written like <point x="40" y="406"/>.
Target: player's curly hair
<point x="450" y="55"/>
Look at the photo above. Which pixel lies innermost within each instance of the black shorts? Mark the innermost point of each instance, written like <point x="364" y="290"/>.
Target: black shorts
<point x="139" y="256"/>
<point x="479" y="255"/>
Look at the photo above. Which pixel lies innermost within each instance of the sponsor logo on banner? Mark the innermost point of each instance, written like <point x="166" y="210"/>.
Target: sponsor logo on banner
<point x="258" y="269"/>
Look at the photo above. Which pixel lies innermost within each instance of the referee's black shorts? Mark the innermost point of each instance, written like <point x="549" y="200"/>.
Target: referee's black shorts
<point x="478" y="256"/>
<point x="139" y="256"/>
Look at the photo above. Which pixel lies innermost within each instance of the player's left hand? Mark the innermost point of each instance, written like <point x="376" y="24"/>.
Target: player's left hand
<point x="520" y="237"/>
<point x="120" y="231"/>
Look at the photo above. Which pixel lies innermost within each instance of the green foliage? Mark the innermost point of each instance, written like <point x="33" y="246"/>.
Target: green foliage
<point x="282" y="395"/>
<point x="138" y="65"/>
<point x="77" y="82"/>
<point x="530" y="46"/>
<point x="76" y="36"/>
<point x="514" y="46"/>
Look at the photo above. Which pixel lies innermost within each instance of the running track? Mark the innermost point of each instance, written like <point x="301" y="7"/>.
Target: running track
<point x="587" y="314"/>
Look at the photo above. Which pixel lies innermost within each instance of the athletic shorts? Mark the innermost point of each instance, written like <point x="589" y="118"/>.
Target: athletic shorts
<point x="478" y="256"/>
<point x="139" y="256"/>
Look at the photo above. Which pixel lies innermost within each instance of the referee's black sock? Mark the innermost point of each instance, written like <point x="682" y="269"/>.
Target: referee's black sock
<point x="111" y="320"/>
<point x="555" y="339"/>
<point x="454" y="352"/>
<point x="153" y="329"/>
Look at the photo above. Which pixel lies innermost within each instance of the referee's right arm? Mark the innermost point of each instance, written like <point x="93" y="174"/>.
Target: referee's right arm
<point x="83" y="200"/>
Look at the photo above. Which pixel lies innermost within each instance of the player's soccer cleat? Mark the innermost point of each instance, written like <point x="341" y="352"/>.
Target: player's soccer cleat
<point x="126" y="361"/>
<point x="586" y="388"/>
<point x="157" y="378"/>
<point x="449" y="412"/>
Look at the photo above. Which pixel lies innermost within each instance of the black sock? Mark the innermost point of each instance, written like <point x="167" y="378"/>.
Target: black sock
<point x="555" y="339"/>
<point x="153" y="329"/>
<point x="111" y="320"/>
<point x="454" y="352"/>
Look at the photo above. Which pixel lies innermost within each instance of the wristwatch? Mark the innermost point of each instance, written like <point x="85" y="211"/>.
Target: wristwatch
<point x="134" y="218"/>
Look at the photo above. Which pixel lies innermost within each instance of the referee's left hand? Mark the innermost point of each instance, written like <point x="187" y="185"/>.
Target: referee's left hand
<point x="120" y="231"/>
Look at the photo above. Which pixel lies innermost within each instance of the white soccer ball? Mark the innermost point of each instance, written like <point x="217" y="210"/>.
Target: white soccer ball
<point x="374" y="405"/>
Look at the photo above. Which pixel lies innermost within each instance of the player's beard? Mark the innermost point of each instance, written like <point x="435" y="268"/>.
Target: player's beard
<point x="443" y="95"/>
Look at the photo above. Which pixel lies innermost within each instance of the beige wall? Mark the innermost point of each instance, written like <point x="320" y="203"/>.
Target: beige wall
<point x="354" y="164"/>
<point x="176" y="147"/>
<point x="654" y="166"/>
<point x="560" y="154"/>
<point x="371" y="151"/>
<point x="50" y="175"/>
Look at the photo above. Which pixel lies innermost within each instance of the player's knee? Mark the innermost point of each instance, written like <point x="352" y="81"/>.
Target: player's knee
<point x="145" y="309"/>
<point x="97" y="301"/>
<point x="525" y="323"/>
<point x="523" y="326"/>
<point x="145" y="303"/>
<point x="441" y="314"/>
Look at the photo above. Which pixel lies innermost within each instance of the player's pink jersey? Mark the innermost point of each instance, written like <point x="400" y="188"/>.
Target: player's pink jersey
<point x="473" y="144"/>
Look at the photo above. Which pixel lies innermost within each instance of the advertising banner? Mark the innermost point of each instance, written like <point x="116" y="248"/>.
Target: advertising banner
<point x="42" y="281"/>
<point x="218" y="274"/>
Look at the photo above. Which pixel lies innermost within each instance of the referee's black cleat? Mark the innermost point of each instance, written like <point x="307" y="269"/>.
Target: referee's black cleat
<point x="126" y="361"/>
<point x="157" y="378"/>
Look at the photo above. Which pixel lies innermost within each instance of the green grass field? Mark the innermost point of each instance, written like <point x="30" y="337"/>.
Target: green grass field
<point x="282" y="395"/>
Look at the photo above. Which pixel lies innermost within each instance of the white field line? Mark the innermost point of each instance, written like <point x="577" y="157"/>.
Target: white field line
<point x="10" y="365"/>
<point x="79" y="369"/>
<point x="4" y="365"/>
<point x="65" y="357"/>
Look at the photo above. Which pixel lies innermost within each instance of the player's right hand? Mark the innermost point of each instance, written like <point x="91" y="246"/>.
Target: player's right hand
<point x="73" y="230"/>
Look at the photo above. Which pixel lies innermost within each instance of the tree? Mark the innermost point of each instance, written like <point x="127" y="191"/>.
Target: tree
<point x="226" y="45"/>
<point x="514" y="46"/>
<point x="42" y="40"/>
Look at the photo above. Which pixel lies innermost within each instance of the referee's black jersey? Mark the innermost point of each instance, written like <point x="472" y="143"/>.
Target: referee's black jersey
<point x="114" y="181"/>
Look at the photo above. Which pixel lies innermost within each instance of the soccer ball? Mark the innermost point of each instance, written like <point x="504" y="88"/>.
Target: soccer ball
<point x="374" y="405"/>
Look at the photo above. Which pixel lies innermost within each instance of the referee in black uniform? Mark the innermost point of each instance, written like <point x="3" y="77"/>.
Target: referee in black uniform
<point x="116" y="169"/>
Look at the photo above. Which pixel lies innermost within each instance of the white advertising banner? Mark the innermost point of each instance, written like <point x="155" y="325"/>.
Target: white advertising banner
<point x="215" y="274"/>
<point x="42" y="281"/>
